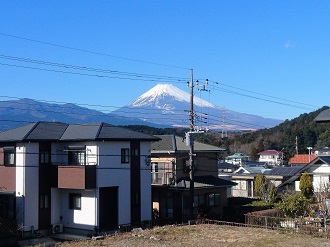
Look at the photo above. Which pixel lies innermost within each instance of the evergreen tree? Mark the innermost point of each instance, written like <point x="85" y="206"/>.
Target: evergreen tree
<point x="306" y="185"/>
<point x="293" y="205"/>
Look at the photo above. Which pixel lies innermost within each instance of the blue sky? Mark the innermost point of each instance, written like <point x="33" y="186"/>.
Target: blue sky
<point x="269" y="58"/>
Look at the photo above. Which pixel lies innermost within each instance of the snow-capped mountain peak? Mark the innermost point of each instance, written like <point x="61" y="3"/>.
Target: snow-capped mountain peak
<point x="169" y="105"/>
<point x="167" y="90"/>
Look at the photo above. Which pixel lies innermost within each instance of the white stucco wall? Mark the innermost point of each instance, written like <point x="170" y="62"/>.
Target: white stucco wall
<point x="27" y="186"/>
<point x="56" y="212"/>
<point x="85" y="217"/>
<point x="112" y="173"/>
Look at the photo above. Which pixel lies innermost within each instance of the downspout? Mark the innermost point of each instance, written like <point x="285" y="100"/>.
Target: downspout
<point x="23" y="216"/>
<point x="97" y="213"/>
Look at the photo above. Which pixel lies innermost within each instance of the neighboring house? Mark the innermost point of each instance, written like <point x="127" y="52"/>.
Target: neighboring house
<point x="225" y="167"/>
<point x="322" y="151"/>
<point x="237" y="159"/>
<point x="76" y="177"/>
<point x="278" y="175"/>
<point x="171" y="183"/>
<point x="318" y="169"/>
<point x="323" y="117"/>
<point x="301" y="159"/>
<point x="271" y="157"/>
<point x="244" y="178"/>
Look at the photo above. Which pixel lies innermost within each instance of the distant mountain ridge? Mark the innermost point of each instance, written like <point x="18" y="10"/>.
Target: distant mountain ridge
<point x="169" y="105"/>
<point x="162" y="106"/>
<point x="16" y="113"/>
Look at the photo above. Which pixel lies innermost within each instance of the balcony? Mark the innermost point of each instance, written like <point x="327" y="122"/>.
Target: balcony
<point x="77" y="176"/>
<point x="162" y="178"/>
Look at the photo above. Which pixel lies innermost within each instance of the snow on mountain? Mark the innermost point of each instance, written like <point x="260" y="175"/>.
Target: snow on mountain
<point x="155" y="94"/>
<point x="168" y="105"/>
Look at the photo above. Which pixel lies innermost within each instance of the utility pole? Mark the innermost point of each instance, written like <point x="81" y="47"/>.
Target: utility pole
<point x="190" y="143"/>
<point x="191" y="146"/>
<point x="296" y="144"/>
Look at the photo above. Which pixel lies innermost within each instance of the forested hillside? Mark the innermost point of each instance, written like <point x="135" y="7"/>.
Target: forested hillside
<point x="301" y="130"/>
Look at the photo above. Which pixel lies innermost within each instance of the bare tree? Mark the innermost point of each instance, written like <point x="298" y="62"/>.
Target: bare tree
<point x="321" y="194"/>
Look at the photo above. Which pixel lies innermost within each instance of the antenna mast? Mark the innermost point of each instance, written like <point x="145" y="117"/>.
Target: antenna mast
<point x="224" y="129"/>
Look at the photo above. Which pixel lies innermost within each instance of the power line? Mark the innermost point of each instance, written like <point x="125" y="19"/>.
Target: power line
<point x="90" y="69"/>
<point x="255" y="97"/>
<point x="90" y="52"/>
<point x="77" y="73"/>
<point x="145" y="77"/>
<point x="153" y="80"/>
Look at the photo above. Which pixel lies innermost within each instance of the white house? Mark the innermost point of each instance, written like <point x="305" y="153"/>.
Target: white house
<point x="318" y="169"/>
<point x="76" y="178"/>
<point x="271" y="157"/>
<point x="237" y="159"/>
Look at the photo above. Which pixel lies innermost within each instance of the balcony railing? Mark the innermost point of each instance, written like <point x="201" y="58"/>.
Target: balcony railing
<point x="162" y="178"/>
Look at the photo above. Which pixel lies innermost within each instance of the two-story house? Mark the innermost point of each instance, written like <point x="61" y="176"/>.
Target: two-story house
<point x="75" y="177"/>
<point x="271" y="157"/>
<point x="319" y="171"/>
<point x="171" y="182"/>
<point x="237" y="159"/>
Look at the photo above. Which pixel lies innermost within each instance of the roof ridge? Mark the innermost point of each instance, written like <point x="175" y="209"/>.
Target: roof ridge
<point x="33" y="128"/>
<point x="99" y="130"/>
<point x="67" y="126"/>
<point x="174" y="142"/>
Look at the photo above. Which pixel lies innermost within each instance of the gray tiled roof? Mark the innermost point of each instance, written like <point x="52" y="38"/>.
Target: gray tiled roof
<point x="323" y="117"/>
<point x="172" y="143"/>
<point x="47" y="131"/>
<point x="113" y="132"/>
<point x="204" y="182"/>
<point x="325" y="159"/>
<point x="35" y="131"/>
<point x="53" y="131"/>
<point x="283" y="171"/>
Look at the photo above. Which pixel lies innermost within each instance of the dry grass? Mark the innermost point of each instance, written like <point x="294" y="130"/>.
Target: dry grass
<point x="205" y="235"/>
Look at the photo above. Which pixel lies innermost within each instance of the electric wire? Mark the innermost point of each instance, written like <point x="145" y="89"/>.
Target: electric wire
<point x="146" y="77"/>
<point x="90" y="52"/>
<point x="90" y="69"/>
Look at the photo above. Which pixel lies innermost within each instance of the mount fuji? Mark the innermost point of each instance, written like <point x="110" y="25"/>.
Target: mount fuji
<point x="168" y="105"/>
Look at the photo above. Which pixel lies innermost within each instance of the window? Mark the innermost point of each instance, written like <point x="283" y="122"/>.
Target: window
<point x="44" y="157"/>
<point x="74" y="201"/>
<point x="214" y="199"/>
<point x="44" y="201"/>
<point x="9" y="156"/>
<point x="135" y="152"/>
<point x="77" y="155"/>
<point x="125" y="155"/>
<point x="199" y="200"/>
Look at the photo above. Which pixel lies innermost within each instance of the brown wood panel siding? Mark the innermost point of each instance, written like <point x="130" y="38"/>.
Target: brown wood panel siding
<point x="71" y="177"/>
<point x="77" y="177"/>
<point x="135" y="182"/>
<point x="7" y="178"/>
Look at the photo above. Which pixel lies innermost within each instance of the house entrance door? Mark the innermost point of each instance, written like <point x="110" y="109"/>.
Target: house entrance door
<point x="108" y="208"/>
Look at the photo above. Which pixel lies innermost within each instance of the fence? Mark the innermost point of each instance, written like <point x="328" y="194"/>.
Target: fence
<point x="8" y="228"/>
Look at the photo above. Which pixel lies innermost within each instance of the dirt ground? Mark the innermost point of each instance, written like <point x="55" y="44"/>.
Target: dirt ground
<point x="205" y="235"/>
